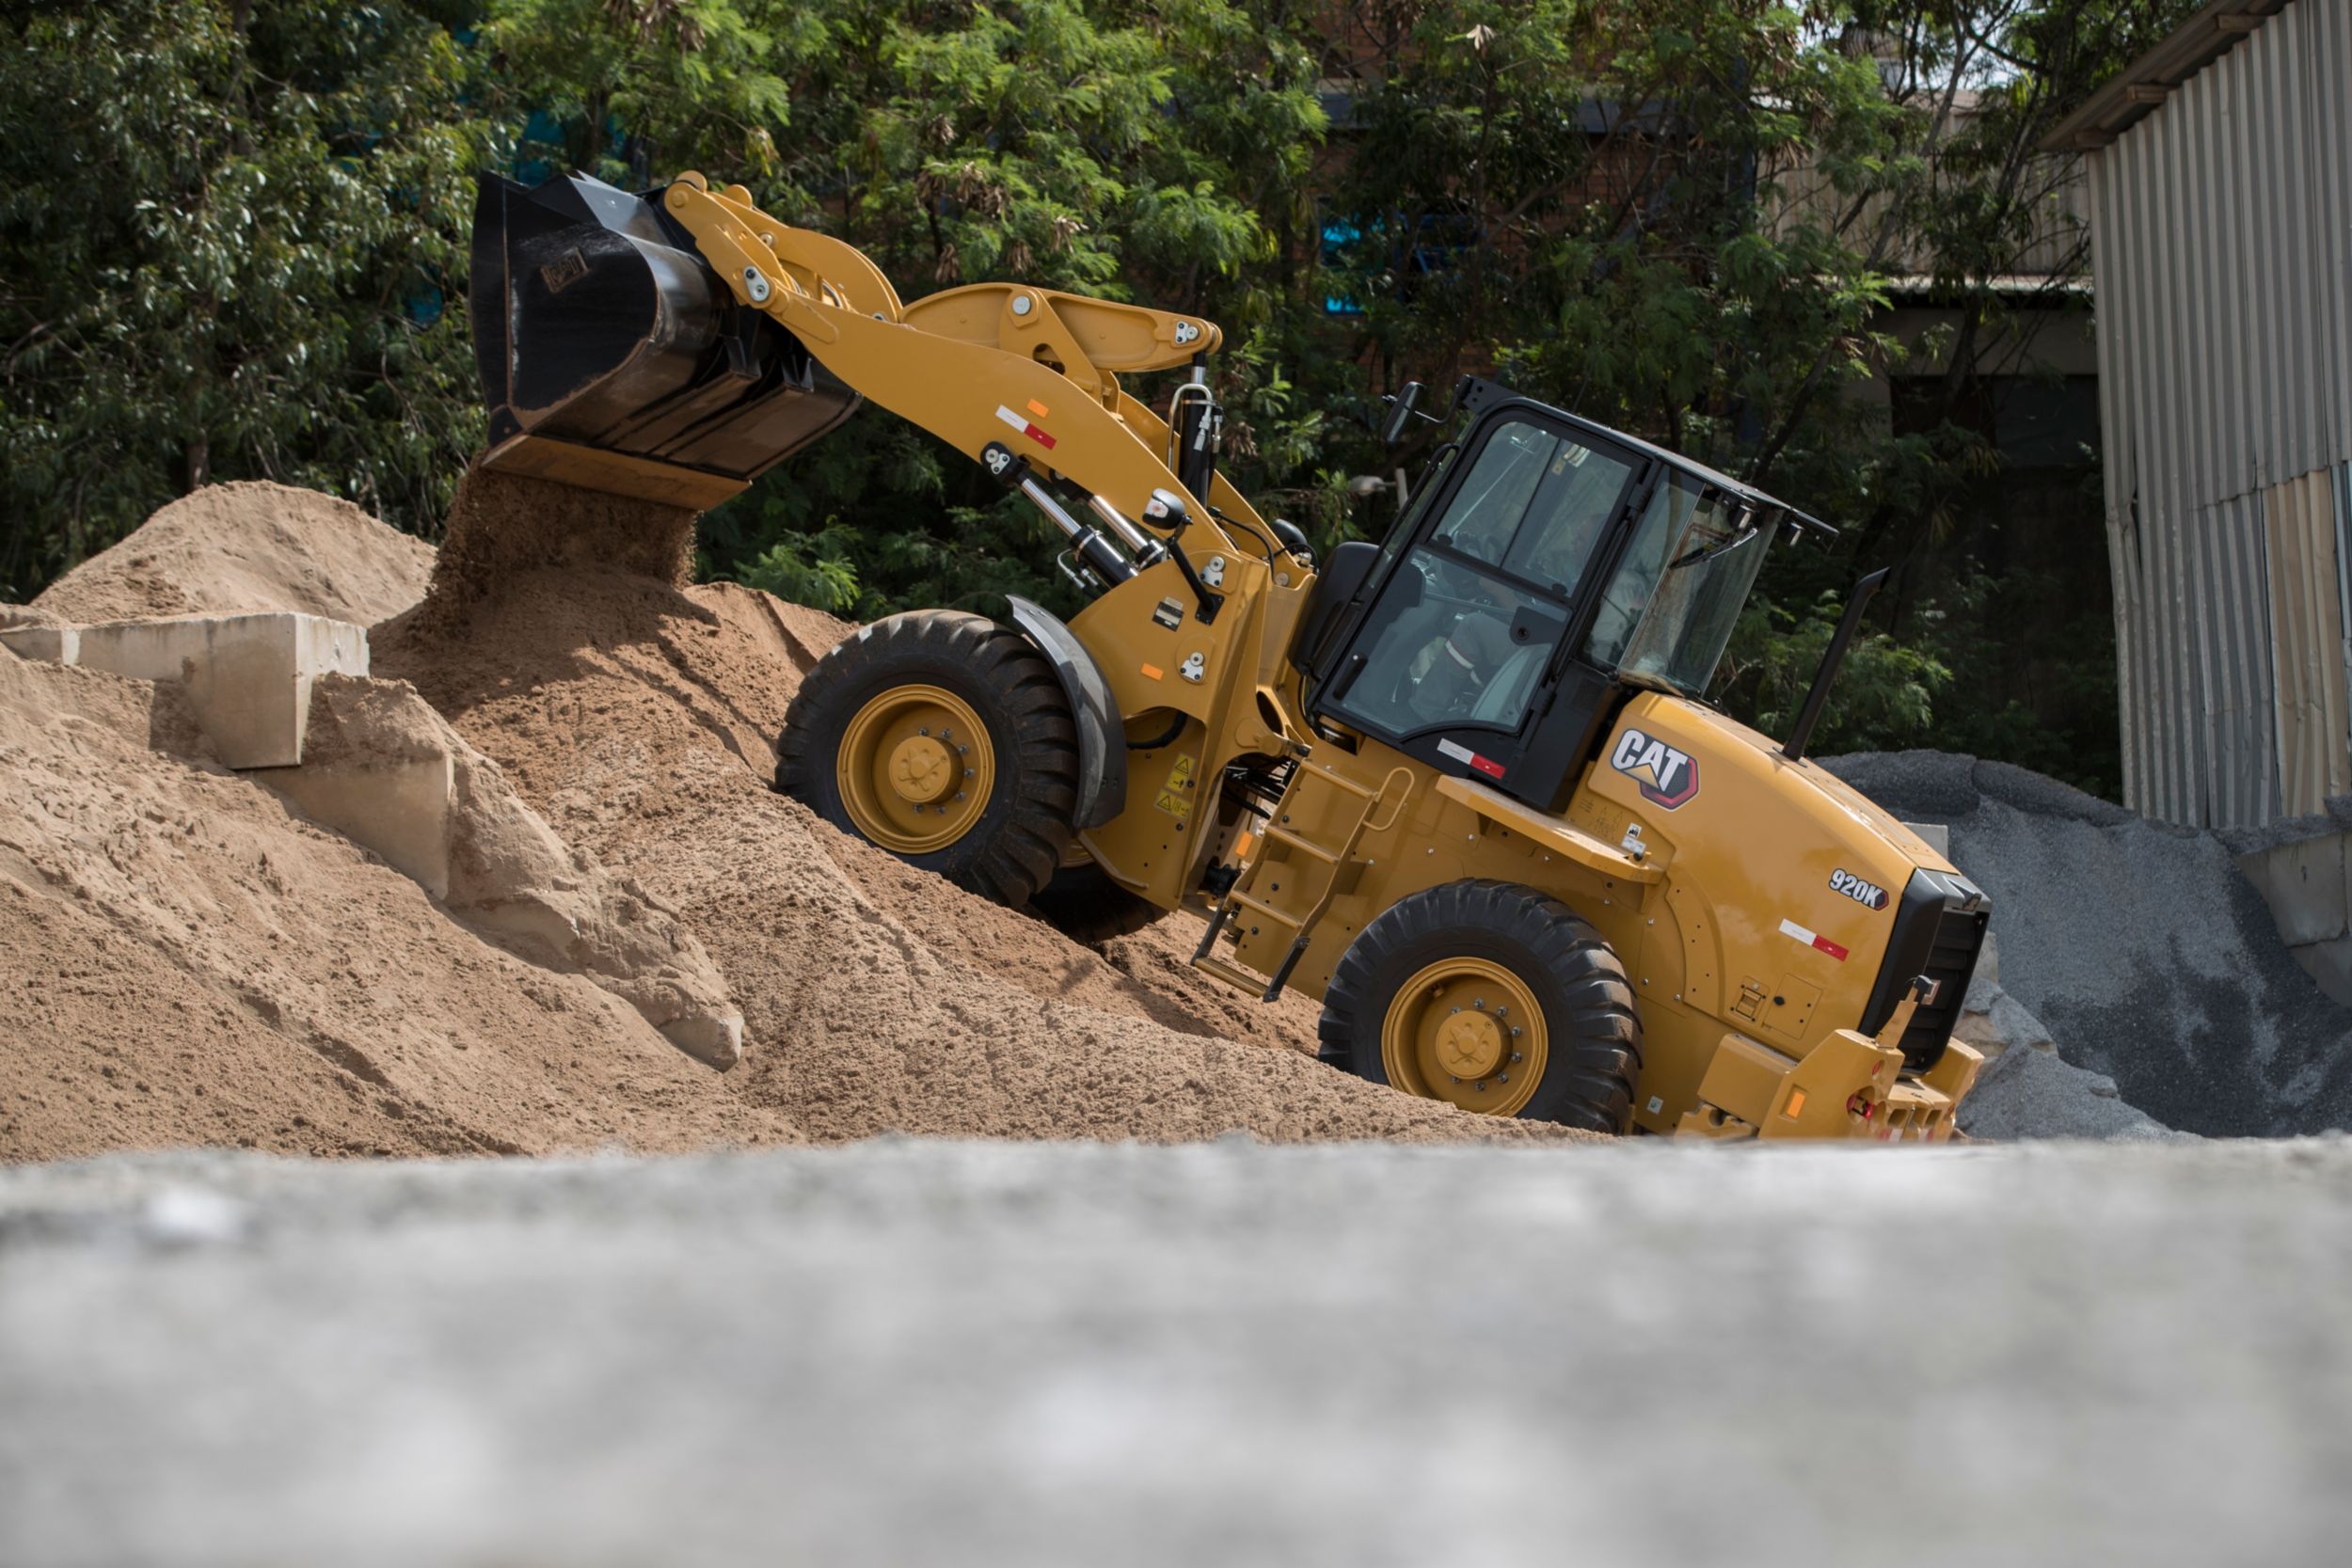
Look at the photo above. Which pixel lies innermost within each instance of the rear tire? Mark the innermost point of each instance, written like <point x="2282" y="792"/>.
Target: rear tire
<point x="859" y="748"/>
<point x="1455" y="988"/>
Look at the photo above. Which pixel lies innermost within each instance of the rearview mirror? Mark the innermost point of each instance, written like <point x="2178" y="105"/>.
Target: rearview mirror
<point x="1400" y="413"/>
<point x="1166" y="509"/>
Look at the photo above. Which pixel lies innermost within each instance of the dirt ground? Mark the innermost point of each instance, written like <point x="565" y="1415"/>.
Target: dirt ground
<point x="195" y="962"/>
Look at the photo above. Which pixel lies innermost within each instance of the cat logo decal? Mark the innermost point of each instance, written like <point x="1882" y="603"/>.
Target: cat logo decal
<point x="1667" y="777"/>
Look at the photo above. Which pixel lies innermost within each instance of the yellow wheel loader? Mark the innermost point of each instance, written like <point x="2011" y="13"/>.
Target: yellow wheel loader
<point x="1463" y="785"/>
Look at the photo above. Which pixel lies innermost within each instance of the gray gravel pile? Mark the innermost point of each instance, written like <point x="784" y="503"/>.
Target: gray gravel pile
<point x="2026" y="1088"/>
<point x="2035" y="1094"/>
<point x="1229" y="1354"/>
<point x="2151" y="959"/>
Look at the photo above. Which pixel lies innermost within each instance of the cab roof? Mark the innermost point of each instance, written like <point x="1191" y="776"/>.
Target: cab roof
<point x="1477" y="396"/>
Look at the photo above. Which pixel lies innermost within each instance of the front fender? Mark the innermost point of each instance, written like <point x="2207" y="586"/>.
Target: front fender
<point x="1101" y="734"/>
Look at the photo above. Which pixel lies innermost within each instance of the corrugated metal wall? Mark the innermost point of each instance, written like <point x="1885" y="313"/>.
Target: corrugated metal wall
<point x="2222" y="268"/>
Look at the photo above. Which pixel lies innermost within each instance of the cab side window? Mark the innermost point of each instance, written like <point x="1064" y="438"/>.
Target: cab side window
<point x="1493" y="501"/>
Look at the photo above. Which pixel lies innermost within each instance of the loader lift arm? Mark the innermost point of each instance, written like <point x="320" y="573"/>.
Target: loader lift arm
<point x="1033" y="368"/>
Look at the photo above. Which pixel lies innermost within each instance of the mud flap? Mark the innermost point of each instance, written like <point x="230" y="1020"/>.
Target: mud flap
<point x="1102" y="737"/>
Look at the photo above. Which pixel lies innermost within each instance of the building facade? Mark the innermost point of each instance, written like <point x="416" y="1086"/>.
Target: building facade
<point x="2220" y="182"/>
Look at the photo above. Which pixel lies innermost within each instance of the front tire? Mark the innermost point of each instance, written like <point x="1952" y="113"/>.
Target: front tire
<point x="1493" y="997"/>
<point x="946" y="740"/>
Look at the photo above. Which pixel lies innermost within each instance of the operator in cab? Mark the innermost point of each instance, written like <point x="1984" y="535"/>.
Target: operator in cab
<point x="1508" y="556"/>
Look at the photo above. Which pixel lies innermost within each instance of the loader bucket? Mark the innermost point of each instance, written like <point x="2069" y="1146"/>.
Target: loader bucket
<point x="613" y="359"/>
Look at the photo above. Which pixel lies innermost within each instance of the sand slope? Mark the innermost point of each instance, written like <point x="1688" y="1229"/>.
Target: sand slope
<point x="639" y="717"/>
<point x="249" y="545"/>
<point x="184" y="960"/>
<point x="190" y="961"/>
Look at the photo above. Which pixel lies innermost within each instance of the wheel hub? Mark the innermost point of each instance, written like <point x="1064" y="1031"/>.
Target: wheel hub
<point x="1468" y="1045"/>
<point x="1467" y="1031"/>
<point x="916" y="768"/>
<point x="920" y="770"/>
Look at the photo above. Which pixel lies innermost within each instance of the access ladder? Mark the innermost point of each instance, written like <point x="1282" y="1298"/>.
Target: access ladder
<point x="1335" y="812"/>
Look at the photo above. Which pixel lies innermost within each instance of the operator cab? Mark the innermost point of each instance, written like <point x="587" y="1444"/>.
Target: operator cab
<point x="1551" y="568"/>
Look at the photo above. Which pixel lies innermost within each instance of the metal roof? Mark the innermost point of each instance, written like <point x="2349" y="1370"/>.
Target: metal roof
<point x="2148" y="81"/>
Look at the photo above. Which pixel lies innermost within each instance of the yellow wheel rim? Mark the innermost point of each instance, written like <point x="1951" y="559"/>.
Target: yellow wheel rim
<point x="1467" y="1032"/>
<point x="916" y="768"/>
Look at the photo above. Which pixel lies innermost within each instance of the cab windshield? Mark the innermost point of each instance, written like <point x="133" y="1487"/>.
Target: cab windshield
<point x="1670" y="610"/>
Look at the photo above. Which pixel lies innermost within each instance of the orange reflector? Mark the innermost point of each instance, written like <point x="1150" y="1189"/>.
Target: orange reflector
<point x="1038" y="408"/>
<point x="1152" y="673"/>
<point x="1242" y="846"/>
<point x="1795" y="1107"/>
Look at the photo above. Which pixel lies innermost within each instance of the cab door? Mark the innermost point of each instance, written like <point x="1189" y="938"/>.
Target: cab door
<point x="1458" y="652"/>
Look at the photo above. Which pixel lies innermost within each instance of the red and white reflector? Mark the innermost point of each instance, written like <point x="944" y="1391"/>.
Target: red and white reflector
<point x="1026" y="427"/>
<point x="1812" y="938"/>
<point x="1488" y="766"/>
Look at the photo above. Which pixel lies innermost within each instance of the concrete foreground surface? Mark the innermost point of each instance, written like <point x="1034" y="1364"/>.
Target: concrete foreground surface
<point x="901" y="1352"/>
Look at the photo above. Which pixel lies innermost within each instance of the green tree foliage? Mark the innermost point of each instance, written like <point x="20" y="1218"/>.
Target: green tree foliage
<point x="226" y="235"/>
<point x="226" y="226"/>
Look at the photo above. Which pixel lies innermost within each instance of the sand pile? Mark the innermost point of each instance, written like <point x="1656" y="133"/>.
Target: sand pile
<point x="186" y="957"/>
<point x="246" y="546"/>
<point x="2152" y="958"/>
<point x="184" y="960"/>
<point x="383" y="768"/>
<point x="639" y="718"/>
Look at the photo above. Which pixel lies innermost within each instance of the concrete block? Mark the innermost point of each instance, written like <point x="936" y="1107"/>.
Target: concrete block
<point x="247" y="676"/>
<point x="2303" y="882"/>
<point x="1937" y="837"/>
<point x="2330" y="964"/>
<point x="399" y="807"/>
<point x="51" y="644"/>
<point x="1997" y="1022"/>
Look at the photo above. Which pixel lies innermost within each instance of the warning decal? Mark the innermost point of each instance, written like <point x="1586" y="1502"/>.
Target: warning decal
<point x="1171" y="797"/>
